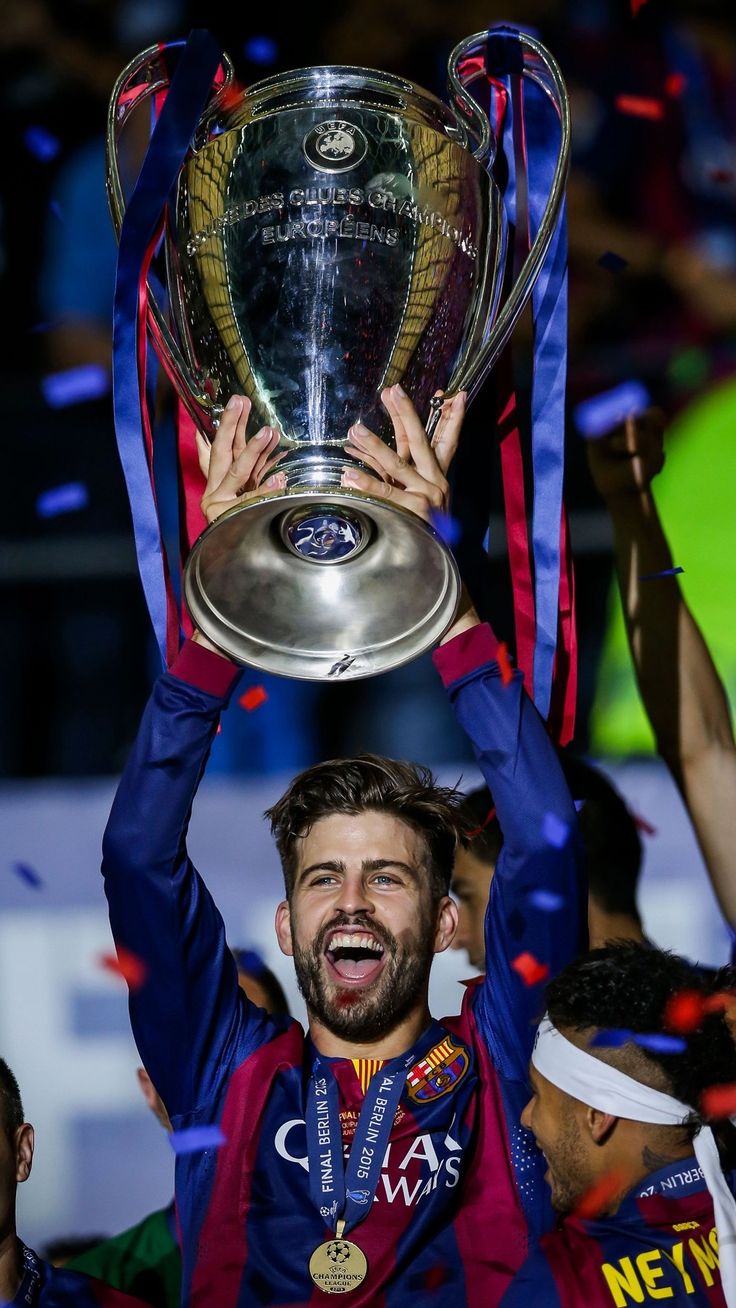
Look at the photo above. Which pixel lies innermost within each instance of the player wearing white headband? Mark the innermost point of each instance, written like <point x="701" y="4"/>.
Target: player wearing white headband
<point x="638" y="1175"/>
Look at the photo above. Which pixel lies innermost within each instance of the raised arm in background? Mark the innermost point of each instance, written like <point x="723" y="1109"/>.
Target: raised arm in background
<point x="680" y="688"/>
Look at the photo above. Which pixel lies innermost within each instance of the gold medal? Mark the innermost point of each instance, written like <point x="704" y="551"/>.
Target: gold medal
<point x="338" y="1266"/>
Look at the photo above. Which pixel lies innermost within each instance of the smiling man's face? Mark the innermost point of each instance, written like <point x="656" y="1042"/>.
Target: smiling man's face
<point x="361" y="923"/>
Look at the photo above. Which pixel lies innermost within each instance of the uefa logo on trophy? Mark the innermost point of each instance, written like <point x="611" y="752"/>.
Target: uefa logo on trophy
<point x="331" y="232"/>
<point x="335" y="146"/>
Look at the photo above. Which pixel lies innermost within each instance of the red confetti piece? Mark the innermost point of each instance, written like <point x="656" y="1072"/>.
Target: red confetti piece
<point x="127" y="965"/>
<point x="718" y="1101"/>
<point x="530" y="969"/>
<point x="640" y="106"/>
<point x="598" y="1197"/>
<point x="470" y="835"/>
<point x="720" y="1002"/>
<point x="675" y="85"/>
<point x="636" y="5"/>
<point x="720" y="175"/>
<point x="253" y="698"/>
<point x="641" y="824"/>
<point x="684" y="1012"/>
<point x="504" y="663"/>
<point x="435" y="1278"/>
<point x="231" y="95"/>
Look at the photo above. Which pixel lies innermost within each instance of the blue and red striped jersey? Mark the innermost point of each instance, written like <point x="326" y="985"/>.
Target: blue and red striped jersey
<point x="661" y="1244"/>
<point x="461" y="1183"/>
<point x="45" y="1286"/>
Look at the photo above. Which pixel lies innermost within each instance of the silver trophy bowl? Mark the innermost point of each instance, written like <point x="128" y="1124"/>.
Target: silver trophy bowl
<point x="334" y="231"/>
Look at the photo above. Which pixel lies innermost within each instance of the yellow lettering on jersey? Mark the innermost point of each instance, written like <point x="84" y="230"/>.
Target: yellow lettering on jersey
<point x="649" y="1274"/>
<point x="705" y="1257"/>
<point x="713" y="1237"/>
<point x="686" y="1226"/>
<point x="623" y="1280"/>
<point x="677" y="1258"/>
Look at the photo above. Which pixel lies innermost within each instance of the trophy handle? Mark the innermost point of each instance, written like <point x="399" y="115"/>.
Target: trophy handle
<point x="146" y="76"/>
<point x="537" y="64"/>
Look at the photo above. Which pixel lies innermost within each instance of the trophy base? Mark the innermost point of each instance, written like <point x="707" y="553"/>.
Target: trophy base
<point x="328" y="585"/>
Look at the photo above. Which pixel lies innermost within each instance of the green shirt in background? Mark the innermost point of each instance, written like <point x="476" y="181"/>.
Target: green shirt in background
<point x="144" y="1261"/>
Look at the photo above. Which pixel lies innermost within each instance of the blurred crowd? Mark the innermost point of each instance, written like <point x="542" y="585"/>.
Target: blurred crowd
<point x="652" y="296"/>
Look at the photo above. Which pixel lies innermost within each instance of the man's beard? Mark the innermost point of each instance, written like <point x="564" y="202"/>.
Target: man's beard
<point x="366" y="1014"/>
<point x="571" y="1181"/>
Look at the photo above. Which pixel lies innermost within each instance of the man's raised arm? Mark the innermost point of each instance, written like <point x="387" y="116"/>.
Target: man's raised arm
<point x="189" y="1017"/>
<point x="536" y="912"/>
<point x="680" y="688"/>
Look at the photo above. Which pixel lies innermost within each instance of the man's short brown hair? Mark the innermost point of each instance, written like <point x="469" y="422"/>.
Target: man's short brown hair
<point x="370" y="782"/>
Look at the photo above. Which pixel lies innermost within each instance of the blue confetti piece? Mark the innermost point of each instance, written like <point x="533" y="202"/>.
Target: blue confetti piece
<point x="249" y="961"/>
<point x="612" y="262"/>
<point x="546" y="900"/>
<point x="261" y="50"/>
<point x="598" y="415"/>
<point x="661" y="1044"/>
<point x="55" y="208"/>
<point x="41" y="143"/>
<point x="75" y="385"/>
<point x="666" y="572"/>
<point x="579" y="803"/>
<point x="555" y="831"/>
<point x="449" y="529"/>
<point x="62" y="499"/>
<point x="27" y="874"/>
<point x="195" y="1139"/>
<point x="611" y="1039"/>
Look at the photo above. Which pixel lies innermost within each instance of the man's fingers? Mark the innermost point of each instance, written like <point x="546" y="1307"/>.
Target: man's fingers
<point x="203" y="453"/>
<point x="447" y="432"/>
<point x="421" y="452"/>
<point x="221" y="457"/>
<point x="400" y="436"/>
<point x="212" y="507"/>
<point x="266" y="464"/>
<point x="364" y="457"/>
<point x="242" y="423"/>
<point x="633" y="432"/>
<point x="239" y="475"/>
<point x="256" y="451"/>
<point x="392" y="465"/>
<point x="422" y="505"/>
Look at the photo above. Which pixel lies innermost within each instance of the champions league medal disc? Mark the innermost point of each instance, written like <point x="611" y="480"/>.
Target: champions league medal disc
<point x="338" y="1265"/>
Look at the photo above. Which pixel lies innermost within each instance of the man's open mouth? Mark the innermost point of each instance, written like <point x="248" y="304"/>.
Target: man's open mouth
<point x="354" y="957"/>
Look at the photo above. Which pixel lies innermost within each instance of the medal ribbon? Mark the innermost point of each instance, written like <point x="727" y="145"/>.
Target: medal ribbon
<point x="180" y="113"/>
<point x="348" y="1189"/>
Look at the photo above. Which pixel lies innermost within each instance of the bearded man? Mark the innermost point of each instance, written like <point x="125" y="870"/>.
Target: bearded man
<point x="379" y="1154"/>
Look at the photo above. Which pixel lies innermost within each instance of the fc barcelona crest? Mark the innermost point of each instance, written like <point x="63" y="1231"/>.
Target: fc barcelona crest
<point x="439" y="1072"/>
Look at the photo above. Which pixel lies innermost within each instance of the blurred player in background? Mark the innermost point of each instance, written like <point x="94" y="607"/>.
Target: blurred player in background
<point x="27" y="1281"/>
<point x="145" y="1260"/>
<point x="648" y="1211"/>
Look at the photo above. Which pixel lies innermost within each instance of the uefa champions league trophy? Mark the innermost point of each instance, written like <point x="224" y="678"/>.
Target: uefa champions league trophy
<point x="333" y="231"/>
